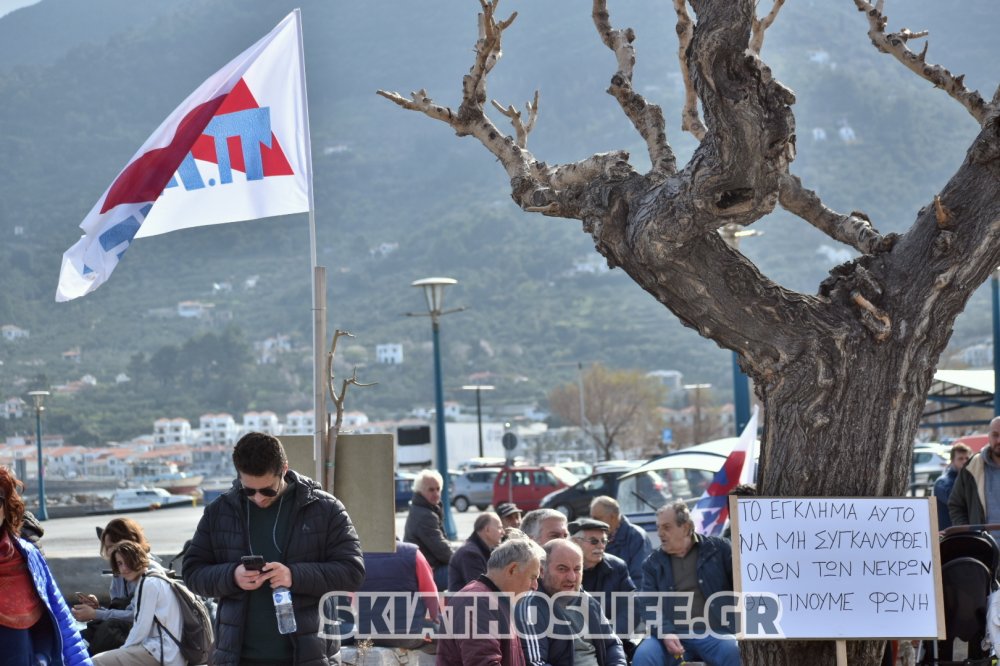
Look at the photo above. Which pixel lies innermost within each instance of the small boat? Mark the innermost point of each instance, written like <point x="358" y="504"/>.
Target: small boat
<point x="165" y="476"/>
<point x="213" y="488"/>
<point x="147" y="499"/>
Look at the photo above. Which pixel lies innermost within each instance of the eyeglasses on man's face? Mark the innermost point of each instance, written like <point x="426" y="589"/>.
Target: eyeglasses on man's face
<point x="266" y="492"/>
<point x="593" y="541"/>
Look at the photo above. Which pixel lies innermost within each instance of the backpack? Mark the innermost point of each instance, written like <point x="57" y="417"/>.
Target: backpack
<point x="197" y="637"/>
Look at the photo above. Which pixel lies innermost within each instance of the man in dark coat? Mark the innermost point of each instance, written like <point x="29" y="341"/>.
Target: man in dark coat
<point x="307" y="541"/>
<point x="625" y="540"/>
<point x="469" y="561"/>
<point x="424" y="525"/>
<point x="560" y="624"/>
<point x="605" y="576"/>
<point x="698" y="566"/>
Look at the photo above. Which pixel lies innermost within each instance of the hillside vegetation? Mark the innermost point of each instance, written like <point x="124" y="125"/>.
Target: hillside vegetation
<point x="82" y="92"/>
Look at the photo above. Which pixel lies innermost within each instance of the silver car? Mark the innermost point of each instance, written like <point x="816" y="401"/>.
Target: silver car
<point x="474" y="487"/>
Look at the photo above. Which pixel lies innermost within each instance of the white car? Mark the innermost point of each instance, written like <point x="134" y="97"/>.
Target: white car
<point x="929" y="462"/>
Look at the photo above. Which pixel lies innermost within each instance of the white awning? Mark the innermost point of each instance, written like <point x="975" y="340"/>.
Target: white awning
<point x="977" y="380"/>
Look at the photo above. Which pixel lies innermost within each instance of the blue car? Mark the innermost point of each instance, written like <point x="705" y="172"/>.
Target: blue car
<point x="404" y="490"/>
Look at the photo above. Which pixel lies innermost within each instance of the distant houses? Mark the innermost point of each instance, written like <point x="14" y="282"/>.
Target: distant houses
<point x="12" y="333"/>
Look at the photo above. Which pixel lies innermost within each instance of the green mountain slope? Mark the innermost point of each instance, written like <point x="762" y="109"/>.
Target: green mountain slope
<point x="75" y="111"/>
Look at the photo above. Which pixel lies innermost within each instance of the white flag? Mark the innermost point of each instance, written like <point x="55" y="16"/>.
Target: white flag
<point x="236" y="149"/>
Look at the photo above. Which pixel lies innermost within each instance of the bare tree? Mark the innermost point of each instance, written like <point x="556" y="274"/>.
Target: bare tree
<point x="843" y="375"/>
<point x="620" y="408"/>
<point x="335" y="420"/>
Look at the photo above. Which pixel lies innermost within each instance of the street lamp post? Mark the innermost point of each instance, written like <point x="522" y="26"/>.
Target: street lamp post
<point x="39" y="398"/>
<point x="479" y="409"/>
<point x="697" y="408"/>
<point x="732" y="233"/>
<point x="996" y="340"/>
<point x="434" y="294"/>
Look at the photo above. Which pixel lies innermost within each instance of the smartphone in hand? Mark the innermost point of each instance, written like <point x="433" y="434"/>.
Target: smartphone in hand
<point x="252" y="562"/>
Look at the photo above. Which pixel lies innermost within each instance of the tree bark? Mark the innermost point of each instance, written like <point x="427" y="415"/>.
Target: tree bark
<point x="843" y="375"/>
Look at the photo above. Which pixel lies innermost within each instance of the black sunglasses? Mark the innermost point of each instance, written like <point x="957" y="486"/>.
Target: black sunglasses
<point x="266" y="492"/>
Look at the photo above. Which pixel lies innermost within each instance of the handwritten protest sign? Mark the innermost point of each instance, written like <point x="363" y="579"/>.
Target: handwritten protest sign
<point x="842" y="567"/>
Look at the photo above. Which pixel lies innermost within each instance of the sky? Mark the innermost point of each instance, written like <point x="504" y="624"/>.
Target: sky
<point x="7" y="6"/>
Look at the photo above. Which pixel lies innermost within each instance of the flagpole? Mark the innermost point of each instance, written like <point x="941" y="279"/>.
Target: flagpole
<point x="318" y="294"/>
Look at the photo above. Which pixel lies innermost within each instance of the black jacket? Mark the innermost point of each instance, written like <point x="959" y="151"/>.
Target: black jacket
<point x="468" y="563"/>
<point x="423" y="527"/>
<point x="323" y="553"/>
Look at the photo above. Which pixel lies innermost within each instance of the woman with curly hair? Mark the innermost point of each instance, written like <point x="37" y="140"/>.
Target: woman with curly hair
<point x="35" y="623"/>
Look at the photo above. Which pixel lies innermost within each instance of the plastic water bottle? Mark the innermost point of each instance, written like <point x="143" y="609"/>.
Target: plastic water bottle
<point x="283" y="610"/>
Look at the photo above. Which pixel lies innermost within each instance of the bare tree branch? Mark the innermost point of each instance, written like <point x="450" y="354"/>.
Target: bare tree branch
<point x="690" y="120"/>
<point x="333" y="432"/>
<point x="646" y="118"/>
<point x="522" y="130"/>
<point x="760" y="26"/>
<point x="895" y="44"/>
<point x="855" y="230"/>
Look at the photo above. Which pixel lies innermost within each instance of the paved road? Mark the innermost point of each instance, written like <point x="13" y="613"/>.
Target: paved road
<point x="166" y="530"/>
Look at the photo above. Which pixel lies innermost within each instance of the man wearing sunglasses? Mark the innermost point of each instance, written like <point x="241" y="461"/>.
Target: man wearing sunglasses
<point x="605" y="576"/>
<point x="308" y="545"/>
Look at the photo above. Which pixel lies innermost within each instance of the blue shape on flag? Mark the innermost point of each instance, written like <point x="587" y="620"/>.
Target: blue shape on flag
<point x="253" y="127"/>
<point x="123" y="232"/>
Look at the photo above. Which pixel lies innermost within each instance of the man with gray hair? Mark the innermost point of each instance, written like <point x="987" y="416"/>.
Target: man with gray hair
<point x="698" y="566"/>
<point x="469" y="561"/>
<point x="625" y="540"/>
<point x="424" y="525"/>
<point x="543" y="525"/>
<point x="491" y="640"/>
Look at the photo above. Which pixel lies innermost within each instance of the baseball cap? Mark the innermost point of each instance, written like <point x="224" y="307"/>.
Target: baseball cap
<point x="505" y="509"/>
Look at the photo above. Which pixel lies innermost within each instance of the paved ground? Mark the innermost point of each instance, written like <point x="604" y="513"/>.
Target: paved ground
<point x="71" y="546"/>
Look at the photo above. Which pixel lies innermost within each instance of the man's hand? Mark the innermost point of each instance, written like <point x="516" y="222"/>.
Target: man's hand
<point x="278" y="574"/>
<point x="248" y="580"/>
<point x="673" y="645"/>
<point x="83" y="612"/>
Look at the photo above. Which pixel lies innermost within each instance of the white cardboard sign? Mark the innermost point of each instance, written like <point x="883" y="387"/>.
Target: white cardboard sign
<point x="842" y="567"/>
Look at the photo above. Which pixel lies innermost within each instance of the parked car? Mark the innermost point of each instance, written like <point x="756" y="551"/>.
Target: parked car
<point x="404" y="490"/>
<point x="526" y="486"/>
<point x="929" y="462"/>
<point x="574" y="502"/>
<point x="580" y="469"/>
<point x="474" y="488"/>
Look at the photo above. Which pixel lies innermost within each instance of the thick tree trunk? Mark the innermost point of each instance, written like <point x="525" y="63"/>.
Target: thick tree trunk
<point x="843" y="375"/>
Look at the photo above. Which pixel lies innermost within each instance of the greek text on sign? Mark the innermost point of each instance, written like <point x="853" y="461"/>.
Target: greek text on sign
<point x="841" y="567"/>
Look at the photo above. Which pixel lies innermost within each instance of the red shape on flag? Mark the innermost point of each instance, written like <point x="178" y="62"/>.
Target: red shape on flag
<point x="145" y="177"/>
<point x="273" y="159"/>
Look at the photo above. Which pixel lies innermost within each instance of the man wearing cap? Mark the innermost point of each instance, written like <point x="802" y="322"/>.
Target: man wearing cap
<point x="625" y="540"/>
<point x="561" y="625"/>
<point x="604" y="576"/>
<point x="602" y="573"/>
<point x="469" y="561"/>
<point x="509" y="514"/>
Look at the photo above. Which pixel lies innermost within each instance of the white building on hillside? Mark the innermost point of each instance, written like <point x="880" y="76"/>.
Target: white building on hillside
<point x="300" y="423"/>
<point x="220" y="429"/>
<point x="266" y="422"/>
<point x="11" y="333"/>
<point x="172" y="432"/>
<point x="389" y="354"/>
<point x="12" y="408"/>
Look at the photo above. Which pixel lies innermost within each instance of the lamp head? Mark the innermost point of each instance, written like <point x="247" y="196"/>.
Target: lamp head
<point x="434" y="292"/>
<point x="39" y="399"/>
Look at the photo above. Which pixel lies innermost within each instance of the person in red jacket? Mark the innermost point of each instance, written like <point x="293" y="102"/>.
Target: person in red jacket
<point x="491" y="639"/>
